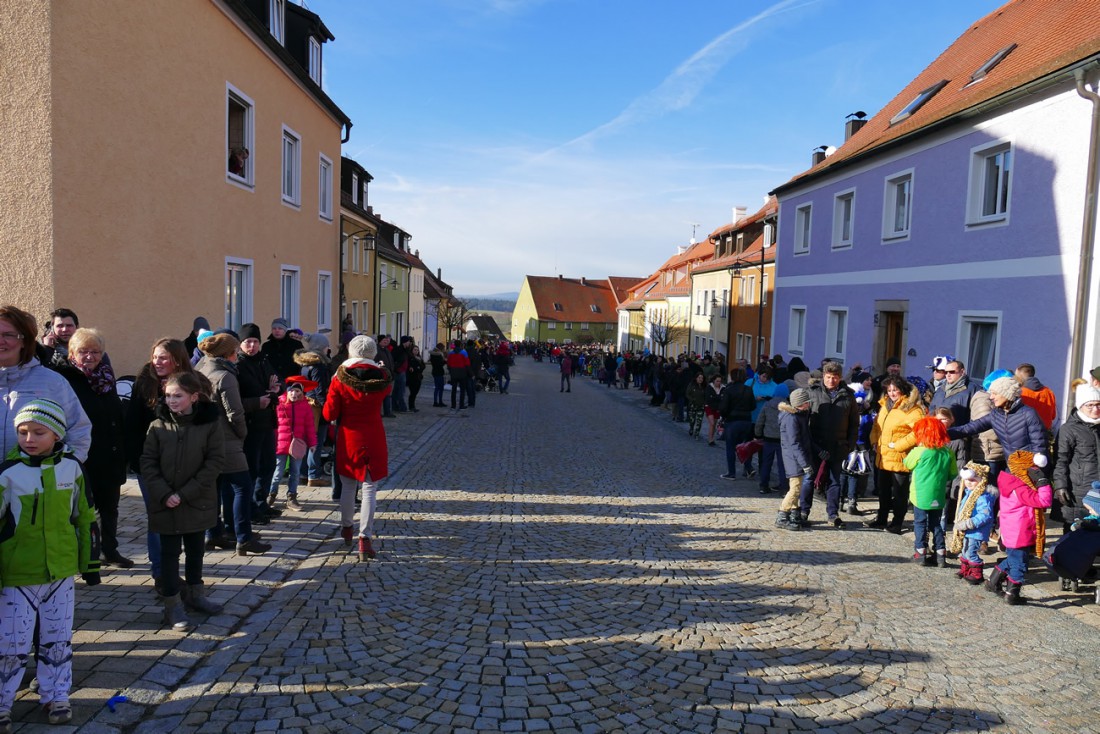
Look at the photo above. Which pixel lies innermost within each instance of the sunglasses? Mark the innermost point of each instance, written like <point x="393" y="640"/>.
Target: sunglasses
<point x="950" y="372"/>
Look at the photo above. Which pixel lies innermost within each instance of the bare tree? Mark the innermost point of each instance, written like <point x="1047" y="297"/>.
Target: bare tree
<point x="666" y="328"/>
<point x="453" y="313"/>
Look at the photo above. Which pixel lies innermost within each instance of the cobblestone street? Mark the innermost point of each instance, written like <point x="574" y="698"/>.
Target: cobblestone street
<point x="572" y="562"/>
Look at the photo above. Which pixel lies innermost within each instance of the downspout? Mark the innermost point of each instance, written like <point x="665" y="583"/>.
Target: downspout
<point x="347" y="133"/>
<point x="1088" y="237"/>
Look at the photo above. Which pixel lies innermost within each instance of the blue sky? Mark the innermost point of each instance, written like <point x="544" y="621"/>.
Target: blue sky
<point x="586" y="137"/>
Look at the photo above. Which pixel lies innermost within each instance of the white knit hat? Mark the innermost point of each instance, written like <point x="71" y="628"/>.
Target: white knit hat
<point x="45" y="413"/>
<point x="362" y="347"/>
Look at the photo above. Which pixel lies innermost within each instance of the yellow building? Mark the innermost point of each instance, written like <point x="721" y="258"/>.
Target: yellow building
<point x="164" y="160"/>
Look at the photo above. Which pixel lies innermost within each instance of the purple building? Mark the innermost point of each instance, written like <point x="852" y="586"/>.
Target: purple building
<point x="958" y="220"/>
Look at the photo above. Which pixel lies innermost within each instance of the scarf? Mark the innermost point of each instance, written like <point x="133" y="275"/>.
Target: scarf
<point x="102" y="378"/>
<point x="967" y="508"/>
<point x="1018" y="464"/>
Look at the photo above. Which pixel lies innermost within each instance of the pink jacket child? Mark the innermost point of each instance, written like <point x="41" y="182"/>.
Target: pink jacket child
<point x="1024" y="490"/>
<point x="294" y="418"/>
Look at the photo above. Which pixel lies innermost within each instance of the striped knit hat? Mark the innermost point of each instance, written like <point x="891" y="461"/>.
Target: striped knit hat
<point x="45" y="413"/>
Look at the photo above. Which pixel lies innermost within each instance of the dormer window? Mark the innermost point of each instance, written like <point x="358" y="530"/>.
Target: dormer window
<point x="558" y="307"/>
<point x="276" y="16"/>
<point x="917" y="103"/>
<point x="315" y="60"/>
<point x="985" y="68"/>
<point x="595" y="308"/>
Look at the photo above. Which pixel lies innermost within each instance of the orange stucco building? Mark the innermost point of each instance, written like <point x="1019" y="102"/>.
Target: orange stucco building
<point x="126" y="196"/>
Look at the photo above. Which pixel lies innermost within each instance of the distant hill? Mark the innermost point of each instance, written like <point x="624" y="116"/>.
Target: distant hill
<point x="511" y="295"/>
<point x="499" y="302"/>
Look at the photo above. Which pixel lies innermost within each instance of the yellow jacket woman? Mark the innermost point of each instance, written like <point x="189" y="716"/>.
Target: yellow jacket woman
<point x="892" y="434"/>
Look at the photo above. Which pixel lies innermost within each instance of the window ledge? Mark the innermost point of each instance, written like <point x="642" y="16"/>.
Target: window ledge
<point x="998" y="221"/>
<point x="292" y="204"/>
<point x="843" y="246"/>
<point x="239" y="182"/>
<point x="894" y="238"/>
<point x="799" y="253"/>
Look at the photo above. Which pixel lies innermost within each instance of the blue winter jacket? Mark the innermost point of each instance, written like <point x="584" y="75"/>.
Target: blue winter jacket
<point x="794" y="438"/>
<point x="982" y="514"/>
<point x="1018" y="428"/>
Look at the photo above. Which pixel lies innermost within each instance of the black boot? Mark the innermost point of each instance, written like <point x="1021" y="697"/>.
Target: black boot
<point x="794" y="520"/>
<point x="996" y="582"/>
<point x="781" y="519"/>
<point x="1012" y="594"/>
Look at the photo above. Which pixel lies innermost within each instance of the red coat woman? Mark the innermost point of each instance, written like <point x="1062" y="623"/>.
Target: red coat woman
<point x="354" y="406"/>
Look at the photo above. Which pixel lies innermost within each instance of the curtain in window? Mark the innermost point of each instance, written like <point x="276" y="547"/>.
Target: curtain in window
<point x="982" y="355"/>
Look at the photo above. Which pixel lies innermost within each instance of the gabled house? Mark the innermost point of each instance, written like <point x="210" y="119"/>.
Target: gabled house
<point x="620" y="290"/>
<point x="731" y="292"/>
<point x="632" y="328"/>
<point x="436" y="294"/>
<point x="564" y="310"/>
<point x="358" y="234"/>
<point x="951" y="222"/>
<point x="183" y="151"/>
<point x="667" y="300"/>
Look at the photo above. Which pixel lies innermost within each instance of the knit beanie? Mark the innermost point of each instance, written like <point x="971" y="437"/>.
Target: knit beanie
<point x="200" y="323"/>
<point x="799" y="397"/>
<point x="250" y="331"/>
<point x="1085" y="394"/>
<point x="203" y="335"/>
<point x="45" y="413"/>
<point x="1093" y="495"/>
<point x="994" y="376"/>
<point x="281" y="323"/>
<point x="1006" y="387"/>
<point x="315" y="343"/>
<point x="802" y="379"/>
<point x="362" y="347"/>
<point x="220" y="345"/>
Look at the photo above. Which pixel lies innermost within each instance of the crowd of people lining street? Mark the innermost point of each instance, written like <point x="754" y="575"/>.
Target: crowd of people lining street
<point x="982" y="461"/>
<point x="215" y="423"/>
<point x="212" y="426"/>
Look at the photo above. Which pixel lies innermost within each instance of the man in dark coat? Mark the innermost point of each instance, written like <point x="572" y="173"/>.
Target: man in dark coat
<point x="259" y="387"/>
<point x="280" y="348"/>
<point x="834" y="425"/>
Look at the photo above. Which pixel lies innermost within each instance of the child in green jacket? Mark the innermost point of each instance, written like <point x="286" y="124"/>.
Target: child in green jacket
<point x="48" y="535"/>
<point x="932" y="466"/>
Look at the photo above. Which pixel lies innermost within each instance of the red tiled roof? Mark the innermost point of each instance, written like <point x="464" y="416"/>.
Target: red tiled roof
<point x="749" y="256"/>
<point x="771" y="206"/>
<point x="620" y="286"/>
<point x="1049" y="35"/>
<point x="575" y="298"/>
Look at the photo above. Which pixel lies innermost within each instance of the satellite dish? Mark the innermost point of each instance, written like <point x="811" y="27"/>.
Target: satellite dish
<point x="830" y="150"/>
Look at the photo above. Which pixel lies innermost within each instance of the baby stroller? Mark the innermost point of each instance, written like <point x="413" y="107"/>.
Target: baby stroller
<point x="1072" y="557"/>
<point x="491" y="382"/>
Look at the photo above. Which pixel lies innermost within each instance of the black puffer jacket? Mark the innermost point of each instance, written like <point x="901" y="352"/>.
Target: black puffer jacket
<point x="1077" y="457"/>
<point x="834" y="420"/>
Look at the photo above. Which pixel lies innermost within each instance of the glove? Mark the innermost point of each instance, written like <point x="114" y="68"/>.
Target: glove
<point x="1040" y="460"/>
<point x="890" y="445"/>
<point x="808" y="472"/>
<point x="1064" y="497"/>
<point x="91" y="578"/>
<point x="967" y="524"/>
<point x="823" y="455"/>
<point x="1035" y="474"/>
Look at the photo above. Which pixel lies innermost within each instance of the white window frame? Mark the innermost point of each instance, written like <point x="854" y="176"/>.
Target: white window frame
<point x="833" y="334"/>
<point x="584" y="326"/>
<point x="979" y="174"/>
<point x="365" y="305"/>
<point x="324" y="188"/>
<point x="382" y="323"/>
<point x="803" y="223"/>
<point x="364" y="264"/>
<point x="725" y="302"/>
<point x="232" y="94"/>
<point x="962" y="338"/>
<point x="750" y="289"/>
<point x="355" y="316"/>
<point x="796" y="337"/>
<point x="315" y="60"/>
<point x="245" y="266"/>
<point x="293" y="198"/>
<point x="292" y="311"/>
<point x="893" y="182"/>
<point x="324" y="299"/>
<point x="844" y="203"/>
<point x="551" y="325"/>
<point x="355" y="189"/>
<point x="276" y="10"/>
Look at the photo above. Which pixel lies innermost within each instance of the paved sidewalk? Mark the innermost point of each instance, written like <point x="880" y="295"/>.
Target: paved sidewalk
<point x="572" y="563"/>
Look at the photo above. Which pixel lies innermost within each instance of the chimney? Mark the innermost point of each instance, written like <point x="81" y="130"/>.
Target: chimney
<point x="561" y="277"/>
<point x="739" y="213"/>
<point x="416" y="254"/>
<point x="583" y="281"/>
<point x="818" y="157"/>
<point x="370" y="210"/>
<point x="853" y="123"/>
<point x="439" y="274"/>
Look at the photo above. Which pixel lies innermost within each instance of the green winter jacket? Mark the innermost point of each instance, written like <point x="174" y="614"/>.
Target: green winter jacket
<point x="48" y="529"/>
<point x="932" y="470"/>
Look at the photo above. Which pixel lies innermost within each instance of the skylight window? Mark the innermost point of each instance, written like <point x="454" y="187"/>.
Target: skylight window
<point x="917" y="103"/>
<point x="557" y="307"/>
<point x="985" y="68"/>
<point x="595" y="308"/>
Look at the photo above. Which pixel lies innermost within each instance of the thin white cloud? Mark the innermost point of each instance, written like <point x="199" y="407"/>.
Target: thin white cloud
<point x="680" y="88"/>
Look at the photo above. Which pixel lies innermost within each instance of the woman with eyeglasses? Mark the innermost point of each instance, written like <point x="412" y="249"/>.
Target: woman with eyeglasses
<point x="23" y="378"/>
<point x="93" y="381"/>
<point x="1077" y="454"/>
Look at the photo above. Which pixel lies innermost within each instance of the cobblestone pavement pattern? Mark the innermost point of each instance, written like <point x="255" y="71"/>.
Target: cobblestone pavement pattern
<point x="568" y="563"/>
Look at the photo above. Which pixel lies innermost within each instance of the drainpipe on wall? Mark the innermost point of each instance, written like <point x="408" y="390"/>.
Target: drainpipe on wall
<point x="1088" y="238"/>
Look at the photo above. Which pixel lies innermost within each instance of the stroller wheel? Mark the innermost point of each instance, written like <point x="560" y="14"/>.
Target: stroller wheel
<point x="327" y="467"/>
<point x="1065" y="584"/>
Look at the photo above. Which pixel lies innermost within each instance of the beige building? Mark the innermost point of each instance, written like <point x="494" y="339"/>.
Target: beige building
<point x="127" y="195"/>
